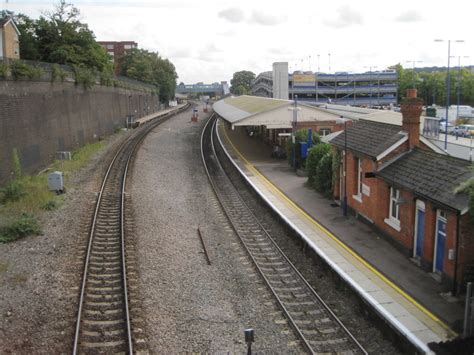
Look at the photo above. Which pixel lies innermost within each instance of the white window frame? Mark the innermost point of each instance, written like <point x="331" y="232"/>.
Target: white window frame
<point x="358" y="197"/>
<point x="392" y="221"/>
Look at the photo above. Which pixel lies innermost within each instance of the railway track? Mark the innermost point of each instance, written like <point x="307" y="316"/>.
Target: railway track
<point x="318" y="328"/>
<point x="103" y="320"/>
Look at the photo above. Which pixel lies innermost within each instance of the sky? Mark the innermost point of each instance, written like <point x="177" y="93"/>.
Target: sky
<point x="209" y="40"/>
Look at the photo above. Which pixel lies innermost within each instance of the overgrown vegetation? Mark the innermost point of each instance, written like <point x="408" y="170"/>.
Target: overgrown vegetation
<point x="319" y="165"/>
<point x="300" y="136"/>
<point x="84" y="76"/>
<point x="58" y="74"/>
<point x="20" y="70"/>
<point x="21" y="227"/>
<point x="26" y="196"/>
<point x="150" y="68"/>
<point x="4" y="70"/>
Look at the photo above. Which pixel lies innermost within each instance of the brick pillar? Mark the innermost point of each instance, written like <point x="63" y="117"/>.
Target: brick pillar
<point x="411" y="108"/>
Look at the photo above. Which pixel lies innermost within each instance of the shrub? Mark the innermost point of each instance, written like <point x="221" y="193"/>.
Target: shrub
<point x="84" y="76"/>
<point x="301" y="136"/>
<point x="58" y="74"/>
<point x="106" y="79"/>
<point x="314" y="156"/>
<point x="323" y="178"/>
<point x="3" y="70"/>
<point x="22" y="70"/>
<point x="12" y="192"/>
<point x="24" y="226"/>
<point x="50" y="205"/>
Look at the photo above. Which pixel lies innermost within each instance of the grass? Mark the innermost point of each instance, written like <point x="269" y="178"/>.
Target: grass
<point x="25" y="197"/>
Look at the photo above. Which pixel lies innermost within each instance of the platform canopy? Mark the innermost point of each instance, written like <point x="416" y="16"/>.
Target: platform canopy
<point x="262" y="111"/>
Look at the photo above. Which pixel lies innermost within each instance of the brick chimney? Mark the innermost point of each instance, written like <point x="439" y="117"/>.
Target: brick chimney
<point x="411" y="108"/>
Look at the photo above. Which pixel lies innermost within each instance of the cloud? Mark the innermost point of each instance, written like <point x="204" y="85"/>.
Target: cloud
<point x="346" y="17"/>
<point x="409" y="16"/>
<point x="261" y="18"/>
<point x="232" y="14"/>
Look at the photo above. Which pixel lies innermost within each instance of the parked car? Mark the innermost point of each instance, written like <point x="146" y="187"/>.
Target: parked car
<point x="442" y="127"/>
<point x="465" y="130"/>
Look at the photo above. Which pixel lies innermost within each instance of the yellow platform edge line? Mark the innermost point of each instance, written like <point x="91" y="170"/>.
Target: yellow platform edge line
<point x="338" y="241"/>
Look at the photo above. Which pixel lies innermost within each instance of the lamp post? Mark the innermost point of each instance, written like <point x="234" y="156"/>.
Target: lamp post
<point x="448" y="88"/>
<point x="458" y="94"/>
<point x="293" y="130"/>
<point x="370" y="71"/>
<point x="414" y="61"/>
<point x="344" y="171"/>
<point x="329" y="61"/>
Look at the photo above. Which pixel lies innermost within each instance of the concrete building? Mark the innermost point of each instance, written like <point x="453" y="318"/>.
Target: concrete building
<point x="361" y="89"/>
<point x="392" y="179"/>
<point x="117" y="50"/>
<point x="9" y="38"/>
<point x="280" y="80"/>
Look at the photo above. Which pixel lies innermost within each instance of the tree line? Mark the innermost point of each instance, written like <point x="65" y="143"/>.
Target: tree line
<point x="60" y="37"/>
<point x="431" y="84"/>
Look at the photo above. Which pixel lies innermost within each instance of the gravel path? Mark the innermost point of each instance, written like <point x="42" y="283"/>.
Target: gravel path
<point x="188" y="305"/>
<point x="40" y="275"/>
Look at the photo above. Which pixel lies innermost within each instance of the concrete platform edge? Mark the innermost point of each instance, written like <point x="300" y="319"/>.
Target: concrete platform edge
<point x="417" y="343"/>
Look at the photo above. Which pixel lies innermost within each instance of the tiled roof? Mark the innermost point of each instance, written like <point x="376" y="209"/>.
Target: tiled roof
<point x="431" y="175"/>
<point x="4" y="20"/>
<point x="369" y="138"/>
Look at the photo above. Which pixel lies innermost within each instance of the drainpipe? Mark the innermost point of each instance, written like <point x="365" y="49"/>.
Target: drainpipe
<point x="456" y="256"/>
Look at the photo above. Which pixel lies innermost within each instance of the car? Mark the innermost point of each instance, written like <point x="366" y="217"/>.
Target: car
<point x="442" y="127"/>
<point x="465" y="130"/>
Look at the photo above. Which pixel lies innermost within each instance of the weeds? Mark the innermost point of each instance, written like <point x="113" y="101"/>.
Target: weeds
<point x="24" y="226"/>
<point x="14" y="191"/>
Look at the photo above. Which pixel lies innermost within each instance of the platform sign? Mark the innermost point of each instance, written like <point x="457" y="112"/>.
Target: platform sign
<point x="303" y="80"/>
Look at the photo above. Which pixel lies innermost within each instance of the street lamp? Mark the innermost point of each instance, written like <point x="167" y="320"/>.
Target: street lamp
<point x="370" y="71"/>
<point x="459" y="84"/>
<point x="293" y="130"/>
<point x="329" y="61"/>
<point x="448" y="88"/>
<point x="414" y="61"/>
<point x="344" y="195"/>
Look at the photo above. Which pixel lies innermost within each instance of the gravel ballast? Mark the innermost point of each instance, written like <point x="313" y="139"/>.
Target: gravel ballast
<point x="188" y="305"/>
<point x="40" y="275"/>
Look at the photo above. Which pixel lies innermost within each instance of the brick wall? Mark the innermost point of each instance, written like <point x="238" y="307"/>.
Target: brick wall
<point x="40" y="118"/>
<point x="11" y="42"/>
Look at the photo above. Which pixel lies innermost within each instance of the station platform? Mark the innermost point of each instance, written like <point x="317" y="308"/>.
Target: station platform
<point x="157" y="114"/>
<point x="406" y="297"/>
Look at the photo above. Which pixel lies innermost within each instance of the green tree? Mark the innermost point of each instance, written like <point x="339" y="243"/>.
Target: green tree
<point x="61" y="38"/>
<point x="323" y="178"/>
<point x="151" y="68"/>
<point x="242" y="80"/>
<point x="28" y="40"/>
<point x="315" y="154"/>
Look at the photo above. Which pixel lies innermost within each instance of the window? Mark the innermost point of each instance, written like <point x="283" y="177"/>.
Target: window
<point x="359" y="177"/>
<point x="393" y="219"/>
<point x="127" y="46"/>
<point x="110" y="46"/>
<point x="324" y="132"/>
<point x="394" y="206"/>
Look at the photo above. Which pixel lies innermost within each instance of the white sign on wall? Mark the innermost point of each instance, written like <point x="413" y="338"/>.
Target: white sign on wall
<point x="366" y="190"/>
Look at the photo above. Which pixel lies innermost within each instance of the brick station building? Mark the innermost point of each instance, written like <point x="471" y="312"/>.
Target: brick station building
<point x="117" y="50"/>
<point x="397" y="183"/>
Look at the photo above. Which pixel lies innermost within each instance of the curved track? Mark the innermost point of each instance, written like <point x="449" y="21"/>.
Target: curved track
<point x="103" y="320"/>
<point x="314" y="323"/>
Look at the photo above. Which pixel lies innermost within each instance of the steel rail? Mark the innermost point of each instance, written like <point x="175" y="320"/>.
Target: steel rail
<point x="305" y="341"/>
<point x="138" y="137"/>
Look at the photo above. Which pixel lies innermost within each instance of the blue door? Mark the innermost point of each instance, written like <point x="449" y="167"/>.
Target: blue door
<point x="420" y="231"/>
<point x="440" y="242"/>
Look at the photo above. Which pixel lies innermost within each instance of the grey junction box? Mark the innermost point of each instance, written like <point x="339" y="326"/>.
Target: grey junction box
<point x="56" y="181"/>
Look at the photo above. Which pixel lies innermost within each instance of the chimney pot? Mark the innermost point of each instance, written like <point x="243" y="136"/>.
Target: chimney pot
<point x="411" y="93"/>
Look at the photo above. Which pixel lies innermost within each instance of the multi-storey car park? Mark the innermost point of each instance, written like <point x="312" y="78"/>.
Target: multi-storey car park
<point x="359" y="89"/>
